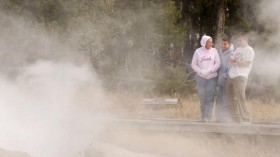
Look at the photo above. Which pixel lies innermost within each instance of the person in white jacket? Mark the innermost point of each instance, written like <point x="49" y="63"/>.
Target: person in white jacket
<point x="205" y="63"/>
<point x="240" y="63"/>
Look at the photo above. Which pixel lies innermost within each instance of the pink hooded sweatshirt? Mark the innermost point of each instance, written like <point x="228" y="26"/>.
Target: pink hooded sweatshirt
<point x="206" y="62"/>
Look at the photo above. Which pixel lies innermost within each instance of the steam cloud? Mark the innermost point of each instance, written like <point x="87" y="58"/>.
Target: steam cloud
<point x="266" y="45"/>
<point x="54" y="106"/>
<point x="51" y="110"/>
<point x="52" y="103"/>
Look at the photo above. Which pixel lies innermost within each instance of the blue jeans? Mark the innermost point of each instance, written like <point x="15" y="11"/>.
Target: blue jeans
<point x="222" y="113"/>
<point x="206" y="92"/>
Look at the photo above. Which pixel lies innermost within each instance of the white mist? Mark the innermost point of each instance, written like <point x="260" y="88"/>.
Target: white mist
<point x="51" y="110"/>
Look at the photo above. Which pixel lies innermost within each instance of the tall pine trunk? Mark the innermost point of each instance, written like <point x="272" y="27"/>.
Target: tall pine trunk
<point x="221" y="18"/>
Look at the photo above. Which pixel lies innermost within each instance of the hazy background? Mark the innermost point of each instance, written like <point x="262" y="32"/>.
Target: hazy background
<point x="52" y="102"/>
<point x="51" y="96"/>
<point x="265" y="77"/>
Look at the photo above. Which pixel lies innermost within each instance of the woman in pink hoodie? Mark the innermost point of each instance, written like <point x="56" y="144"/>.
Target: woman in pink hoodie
<point x="206" y="63"/>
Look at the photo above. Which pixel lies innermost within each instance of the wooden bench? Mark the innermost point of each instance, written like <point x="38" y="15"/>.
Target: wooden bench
<point x="162" y="104"/>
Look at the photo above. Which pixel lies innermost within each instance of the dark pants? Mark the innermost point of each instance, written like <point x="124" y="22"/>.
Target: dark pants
<point x="222" y="113"/>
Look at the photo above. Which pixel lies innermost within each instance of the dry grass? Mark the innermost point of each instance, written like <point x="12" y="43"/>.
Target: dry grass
<point x="134" y="142"/>
<point x="265" y="111"/>
<point x="155" y="144"/>
<point x="127" y="104"/>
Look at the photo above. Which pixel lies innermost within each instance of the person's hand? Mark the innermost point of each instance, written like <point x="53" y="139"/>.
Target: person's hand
<point x="212" y="69"/>
<point x="231" y="58"/>
<point x="205" y="72"/>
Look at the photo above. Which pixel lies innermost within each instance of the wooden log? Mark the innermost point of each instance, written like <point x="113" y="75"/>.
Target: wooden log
<point x="197" y="126"/>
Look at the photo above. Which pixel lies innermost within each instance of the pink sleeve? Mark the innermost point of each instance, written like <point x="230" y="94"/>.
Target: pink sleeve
<point x="217" y="62"/>
<point x="194" y="64"/>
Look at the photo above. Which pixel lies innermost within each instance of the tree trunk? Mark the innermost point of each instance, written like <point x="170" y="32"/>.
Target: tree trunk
<point x="221" y="18"/>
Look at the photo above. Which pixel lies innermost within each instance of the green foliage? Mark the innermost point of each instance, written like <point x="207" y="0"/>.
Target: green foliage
<point x="172" y="81"/>
<point x="122" y="31"/>
<point x="131" y="38"/>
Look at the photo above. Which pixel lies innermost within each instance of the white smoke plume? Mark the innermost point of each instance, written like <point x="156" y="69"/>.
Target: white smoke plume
<point x="266" y="45"/>
<point x="55" y="106"/>
<point x="52" y="103"/>
<point x="51" y="110"/>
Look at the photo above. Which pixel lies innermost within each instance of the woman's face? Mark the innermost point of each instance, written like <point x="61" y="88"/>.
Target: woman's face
<point x="209" y="44"/>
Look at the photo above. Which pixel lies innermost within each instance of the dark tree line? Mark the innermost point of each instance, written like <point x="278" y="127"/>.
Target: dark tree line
<point x="110" y="31"/>
<point x="216" y="18"/>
